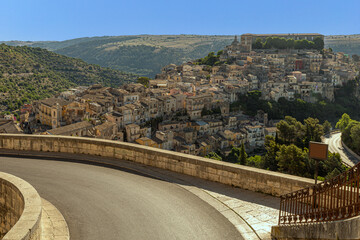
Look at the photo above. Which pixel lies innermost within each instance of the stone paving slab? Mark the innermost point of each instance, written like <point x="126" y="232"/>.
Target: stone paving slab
<point x="53" y="224"/>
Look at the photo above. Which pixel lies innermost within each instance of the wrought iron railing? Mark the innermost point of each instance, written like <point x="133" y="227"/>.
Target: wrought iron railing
<point x="335" y="199"/>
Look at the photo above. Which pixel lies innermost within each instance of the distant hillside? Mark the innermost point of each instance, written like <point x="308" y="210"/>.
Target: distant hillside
<point x="349" y="44"/>
<point x="32" y="73"/>
<point x="147" y="54"/>
<point x="142" y="54"/>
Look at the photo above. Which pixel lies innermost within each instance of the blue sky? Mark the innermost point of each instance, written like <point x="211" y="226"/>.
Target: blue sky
<point x="67" y="19"/>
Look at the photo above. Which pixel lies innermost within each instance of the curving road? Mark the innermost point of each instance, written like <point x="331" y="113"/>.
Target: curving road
<point x="335" y="145"/>
<point x="104" y="203"/>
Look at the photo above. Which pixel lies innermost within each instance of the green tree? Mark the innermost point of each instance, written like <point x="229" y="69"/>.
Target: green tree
<point x="211" y="59"/>
<point x="332" y="166"/>
<point x="214" y="155"/>
<point x="355" y="137"/>
<point x="243" y="155"/>
<point x="267" y="44"/>
<point x="318" y="43"/>
<point x="255" y="161"/>
<point x="144" y="81"/>
<point x="258" y="44"/>
<point x="327" y="126"/>
<point x="313" y="130"/>
<point x="290" y="130"/>
<point x="335" y="172"/>
<point x="346" y="133"/>
<point x="272" y="148"/>
<point x="234" y="155"/>
<point x="291" y="159"/>
<point x="343" y="122"/>
<point x="285" y="131"/>
<point x="290" y="43"/>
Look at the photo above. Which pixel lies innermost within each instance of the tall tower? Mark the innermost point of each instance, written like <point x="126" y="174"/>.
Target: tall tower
<point x="246" y="42"/>
<point x="235" y="40"/>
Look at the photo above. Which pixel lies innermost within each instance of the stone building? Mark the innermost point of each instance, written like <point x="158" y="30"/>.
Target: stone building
<point x="132" y="132"/>
<point x="107" y="130"/>
<point x="50" y="111"/>
<point x="80" y="129"/>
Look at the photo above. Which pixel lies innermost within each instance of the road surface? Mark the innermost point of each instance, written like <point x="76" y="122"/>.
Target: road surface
<point x="335" y="145"/>
<point x="104" y="203"/>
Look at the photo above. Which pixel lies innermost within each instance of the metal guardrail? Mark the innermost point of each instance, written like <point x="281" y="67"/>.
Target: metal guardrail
<point x="335" y="199"/>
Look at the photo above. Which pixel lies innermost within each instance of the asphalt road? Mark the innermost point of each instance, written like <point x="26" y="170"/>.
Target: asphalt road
<point x="334" y="142"/>
<point x="104" y="203"/>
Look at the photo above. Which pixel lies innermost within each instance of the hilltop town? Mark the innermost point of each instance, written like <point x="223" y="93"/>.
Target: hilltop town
<point x="186" y="108"/>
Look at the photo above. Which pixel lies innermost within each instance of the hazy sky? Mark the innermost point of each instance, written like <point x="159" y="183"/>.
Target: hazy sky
<point x="66" y="19"/>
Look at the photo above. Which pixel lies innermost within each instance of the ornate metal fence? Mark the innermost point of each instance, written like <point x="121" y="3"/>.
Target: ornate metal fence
<point x="331" y="200"/>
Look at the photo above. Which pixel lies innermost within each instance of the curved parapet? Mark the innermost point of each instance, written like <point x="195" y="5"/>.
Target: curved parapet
<point x="227" y="173"/>
<point x="350" y="151"/>
<point x="20" y="207"/>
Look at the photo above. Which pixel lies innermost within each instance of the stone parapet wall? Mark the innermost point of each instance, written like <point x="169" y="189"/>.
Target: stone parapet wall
<point x="20" y="209"/>
<point x="350" y="151"/>
<point x="11" y="205"/>
<point x="231" y="174"/>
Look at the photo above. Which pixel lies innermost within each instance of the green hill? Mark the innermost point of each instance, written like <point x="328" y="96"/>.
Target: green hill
<point x="147" y="54"/>
<point x="28" y="73"/>
<point x="141" y="54"/>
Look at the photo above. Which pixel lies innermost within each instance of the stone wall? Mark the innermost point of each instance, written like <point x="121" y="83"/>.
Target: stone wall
<point x="350" y="151"/>
<point x="20" y="209"/>
<point x="11" y="206"/>
<point x="344" y="229"/>
<point x="236" y="175"/>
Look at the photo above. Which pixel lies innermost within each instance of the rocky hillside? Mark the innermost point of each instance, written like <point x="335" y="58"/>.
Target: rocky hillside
<point x="29" y="73"/>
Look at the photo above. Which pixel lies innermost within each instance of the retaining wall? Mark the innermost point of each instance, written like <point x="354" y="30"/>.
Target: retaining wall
<point x="236" y="175"/>
<point x="345" y="230"/>
<point x="20" y="209"/>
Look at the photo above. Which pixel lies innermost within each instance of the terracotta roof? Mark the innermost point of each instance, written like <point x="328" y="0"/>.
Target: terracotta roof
<point x="105" y="126"/>
<point x="70" y="128"/>
<point x="9" y="126"/>
<point x="52" y="101"/>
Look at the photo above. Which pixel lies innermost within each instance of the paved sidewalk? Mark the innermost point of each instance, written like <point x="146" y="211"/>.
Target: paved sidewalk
<point x="53" y="224"/>
<point x="257" y="210"/>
